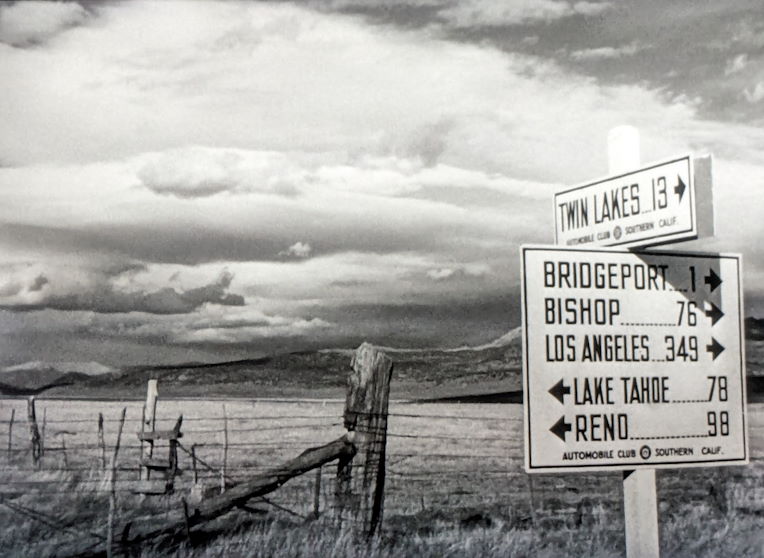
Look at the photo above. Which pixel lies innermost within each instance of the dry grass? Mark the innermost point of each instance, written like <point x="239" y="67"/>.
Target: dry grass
<point x="455" y="488"/>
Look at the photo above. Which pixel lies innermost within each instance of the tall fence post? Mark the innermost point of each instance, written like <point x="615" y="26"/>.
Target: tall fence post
<point x="148" y="423"/>
<point x="34" y="432"/>
<point x="113" y="489"/>
<point x="361" y="481"/>
<point x="10" y="433"/>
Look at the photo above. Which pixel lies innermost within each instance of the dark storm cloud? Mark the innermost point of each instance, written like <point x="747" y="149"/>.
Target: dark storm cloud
<point x="104" y="298"/>
<point x="39" y="282"/>
<point x="459" y="321"/>
<point x="196" y="244"/>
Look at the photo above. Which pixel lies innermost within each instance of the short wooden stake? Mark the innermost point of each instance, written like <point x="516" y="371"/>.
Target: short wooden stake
<point x="113" y="489"/>
<point x="101" y="441"/>
<point x="10" y="433"/>
<point x="225" y="452"/>
<point x="42" y="433"/>
<point x="361" y="485"/>
<point x="193" y="461"/>
<point x="640" y="507"/>
<point x="63" y="450"/>
<point x="34" y="432"/>
<point x="317" y="494"/>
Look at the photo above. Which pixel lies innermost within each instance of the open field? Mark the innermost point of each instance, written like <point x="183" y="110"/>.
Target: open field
<point x="455" y="483"/>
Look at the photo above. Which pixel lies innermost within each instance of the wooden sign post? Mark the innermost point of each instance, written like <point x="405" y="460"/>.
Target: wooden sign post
<point x="640" y="506"/>
<point x="633" y="359"/>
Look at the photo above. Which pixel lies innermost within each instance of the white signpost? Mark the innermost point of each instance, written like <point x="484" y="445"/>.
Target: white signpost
<point x="632" y="360"/>
<point x="663" y="202"/>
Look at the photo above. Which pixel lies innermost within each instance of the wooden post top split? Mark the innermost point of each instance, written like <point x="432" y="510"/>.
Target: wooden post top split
<point x="361" y="485"/>
<point x="368" y="384"/>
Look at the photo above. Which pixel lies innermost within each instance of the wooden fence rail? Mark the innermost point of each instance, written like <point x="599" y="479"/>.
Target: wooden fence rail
<point x="177" y="523"/>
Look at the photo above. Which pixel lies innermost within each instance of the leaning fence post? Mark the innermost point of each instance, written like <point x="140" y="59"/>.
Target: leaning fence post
<point x="361" y="482"/>
<point x="10" y="433"/>
<point x="34" y="432"/>
<point x="113" y="488"/>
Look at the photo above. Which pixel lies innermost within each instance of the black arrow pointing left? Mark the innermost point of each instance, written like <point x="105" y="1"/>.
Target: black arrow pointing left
<point x="561" y="428"/>
<point x="560" y="390"/>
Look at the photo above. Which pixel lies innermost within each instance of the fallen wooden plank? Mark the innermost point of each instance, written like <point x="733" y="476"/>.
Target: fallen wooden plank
<point x="175" y="522"/>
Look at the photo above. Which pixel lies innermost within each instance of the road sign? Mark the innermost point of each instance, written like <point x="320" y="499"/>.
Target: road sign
<point x="632" y="359"/>
<point x="664" y="202"/>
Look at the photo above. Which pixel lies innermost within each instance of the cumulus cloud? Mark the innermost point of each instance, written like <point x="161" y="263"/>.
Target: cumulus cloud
<point x="197" y="172"/>
<point x="211" y="325"/>
<point x="29" y="22"/>
<point x="754" y="94"/>
<point x="95" y="291"/>
<point x="464" y="271"/>
<point x="736" y="64"/>
<point x="297" y="250"/>
<point x="491" y="13"/>
<point x="603" y="53"/>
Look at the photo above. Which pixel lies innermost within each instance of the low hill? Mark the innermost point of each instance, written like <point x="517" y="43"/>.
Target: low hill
<point x="463" y="373"/>
<point x="418" y="373"/>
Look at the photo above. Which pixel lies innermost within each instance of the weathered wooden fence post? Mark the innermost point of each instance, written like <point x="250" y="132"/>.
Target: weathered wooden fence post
<point x="113" y="488"/>
<point x="42" y="434"/>
<point x="34" y="432"/>
<point x="147" y="424"/>
<point x="10" y="433"/>
<point x="101" y="441"/>
<point x="361" y="481"/>
<point x="223" y="471"/>
<point x="317" y="494"/>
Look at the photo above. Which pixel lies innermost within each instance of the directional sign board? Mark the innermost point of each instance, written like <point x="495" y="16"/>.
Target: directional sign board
<point x="660" y="203"/>
<point x="632" y="359"/>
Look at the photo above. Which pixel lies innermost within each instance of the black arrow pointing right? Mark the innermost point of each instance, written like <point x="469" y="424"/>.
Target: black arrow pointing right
<point x="679" y="188"/>
<point x="715" y="313"/>
<point x="712" y="280"/>
<point x="560" y="390"/>
<point x="715" y="348"/>
<point x="560" y="428"/>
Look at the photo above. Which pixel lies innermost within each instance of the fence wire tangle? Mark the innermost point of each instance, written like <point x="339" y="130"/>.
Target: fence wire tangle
<point x="441" y="458"/>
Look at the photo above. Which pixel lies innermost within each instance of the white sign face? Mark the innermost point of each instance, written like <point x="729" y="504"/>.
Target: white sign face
<point x="652" y="205"/>
<point x="632" y="359"/>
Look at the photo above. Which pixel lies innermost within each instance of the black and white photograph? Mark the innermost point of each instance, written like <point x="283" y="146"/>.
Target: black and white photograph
<point x="392" y="278"/>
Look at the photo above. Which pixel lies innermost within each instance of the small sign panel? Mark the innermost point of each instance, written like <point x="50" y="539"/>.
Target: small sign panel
<point x="632" y="359"/>
<point x="649" y="206"/>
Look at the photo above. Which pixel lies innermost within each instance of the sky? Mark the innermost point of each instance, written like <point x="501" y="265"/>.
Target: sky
<point x="204" y="181"/>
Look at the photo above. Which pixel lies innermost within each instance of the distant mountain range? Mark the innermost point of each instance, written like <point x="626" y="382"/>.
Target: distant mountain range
<point x="418" y="373"/>
<point x="428" y="373"/>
